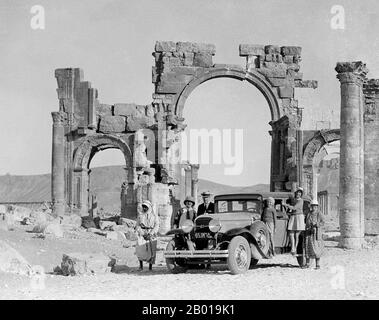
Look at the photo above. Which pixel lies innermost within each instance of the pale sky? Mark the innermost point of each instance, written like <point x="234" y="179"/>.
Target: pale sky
<point x="112" y="42"/>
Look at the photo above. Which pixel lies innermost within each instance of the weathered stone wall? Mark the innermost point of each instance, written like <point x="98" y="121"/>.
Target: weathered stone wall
<point x="371" y="160"/>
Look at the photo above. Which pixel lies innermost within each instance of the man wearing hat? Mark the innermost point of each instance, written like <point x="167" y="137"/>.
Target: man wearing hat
<point x="207" y="206"/>
<point x="185" y="213"/>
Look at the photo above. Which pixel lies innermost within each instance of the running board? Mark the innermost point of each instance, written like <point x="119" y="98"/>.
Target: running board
<point x="216" y="254"/>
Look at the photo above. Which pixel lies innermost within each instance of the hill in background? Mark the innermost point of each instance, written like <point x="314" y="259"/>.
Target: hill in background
<point x="105" y="182"/>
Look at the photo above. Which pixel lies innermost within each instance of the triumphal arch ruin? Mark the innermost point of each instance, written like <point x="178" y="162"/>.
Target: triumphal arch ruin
<point x="149" y="135"/>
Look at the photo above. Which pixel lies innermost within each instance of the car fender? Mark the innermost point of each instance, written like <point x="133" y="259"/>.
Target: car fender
<point x="175" y="231"/>
<point x="245" y="232"/>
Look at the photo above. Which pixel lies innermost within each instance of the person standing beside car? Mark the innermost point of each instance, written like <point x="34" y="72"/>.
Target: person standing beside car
<point x="296" y="222"/>
<point x="207" y="206"/>
<point x="269" y="218"/>
<point x="186" y="213"/>
<point x="147" y="227"/>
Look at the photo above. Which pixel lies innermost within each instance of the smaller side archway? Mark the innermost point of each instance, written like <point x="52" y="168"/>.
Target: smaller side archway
<point x="78" y="188"/>
<point x="312" y="151"/>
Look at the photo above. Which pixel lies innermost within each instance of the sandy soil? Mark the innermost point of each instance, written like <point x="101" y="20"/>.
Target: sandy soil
<point x="344" y="274"/>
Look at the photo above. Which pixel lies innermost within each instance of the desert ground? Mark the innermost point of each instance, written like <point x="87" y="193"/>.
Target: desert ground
<point x="344" y="274"/>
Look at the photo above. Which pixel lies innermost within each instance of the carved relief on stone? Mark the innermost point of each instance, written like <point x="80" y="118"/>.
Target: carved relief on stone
<point x="351" y="72"/>
<point x="170" y="156"/>
<point x="59" y="118"/>
<point x="140" y="157"/>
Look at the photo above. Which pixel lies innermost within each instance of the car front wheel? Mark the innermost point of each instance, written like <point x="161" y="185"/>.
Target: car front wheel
<point x="175" y="265"/>
<point x="239" y="255"/>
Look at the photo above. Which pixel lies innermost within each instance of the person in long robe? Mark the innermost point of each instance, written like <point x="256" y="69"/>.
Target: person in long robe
<point x="147" y="227"/>
<point x="313" y="244"/>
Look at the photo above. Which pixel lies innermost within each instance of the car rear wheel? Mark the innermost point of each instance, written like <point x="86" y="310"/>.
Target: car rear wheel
<point x="239" y="255"/>
<point x="175" y="265"/>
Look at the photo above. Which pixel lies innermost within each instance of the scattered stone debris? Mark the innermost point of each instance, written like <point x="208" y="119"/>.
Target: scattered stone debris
<point x="12" y="261"/>
<point x="85" y="264"/>
<point x="107" y="225"/>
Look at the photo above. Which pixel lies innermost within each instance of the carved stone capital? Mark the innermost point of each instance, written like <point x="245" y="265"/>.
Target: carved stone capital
<point x="59" y="118"/>
<point x="351" y="72"/>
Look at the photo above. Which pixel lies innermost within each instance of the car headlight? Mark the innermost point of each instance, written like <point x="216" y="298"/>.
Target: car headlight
<point x="214" y="225"/>
<point x="187" y="226"/>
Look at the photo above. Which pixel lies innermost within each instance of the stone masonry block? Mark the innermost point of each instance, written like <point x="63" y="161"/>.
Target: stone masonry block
<point x="187" y="70"/>
<point x="293" y="66"/>
<point x="154" y="75"/>
<point x="104" y="109"/>
<point x="271" y="49"/>
<point x="188" y="58"/>
<point x="251" y="50"/>
<point x="306" y="84"/>
<point x="288" y="59"/>
<point x="175" y="62"/>
<point x="169" y="87"/>
<point x="272" y="73"/>
<point x="202" y="60"/>
<point x="275" y="65"/>
<point x="290" y="50"/>
<point x="279" y="82"/>
<point x="112" y="124"/>
<point x="184" y="46"/>
<point x="286" y="92"/>
<point x="124" y="109"/>
<point x="294" y="74"/>
<point x="196" y="47"/>
<point x="135" y="123"/>
<point x="161" y="46"/>
<point x="204" y="47"/>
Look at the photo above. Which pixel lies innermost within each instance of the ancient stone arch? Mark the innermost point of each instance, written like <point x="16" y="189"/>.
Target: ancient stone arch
<point x="83" y="125"/>
<point x="311" y="150"/>
<point x="181" y="67"/>
<point x="82" y="156"/>
<point x="234" y="72"/>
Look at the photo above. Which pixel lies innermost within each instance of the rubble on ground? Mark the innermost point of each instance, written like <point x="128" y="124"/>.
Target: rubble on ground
<point x="12" y="261"/>
<point x="85" y="264"/>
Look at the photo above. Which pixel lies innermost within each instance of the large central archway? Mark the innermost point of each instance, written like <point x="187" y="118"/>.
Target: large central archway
<point x="228" y="133"/>
<point x="253" y="77"/>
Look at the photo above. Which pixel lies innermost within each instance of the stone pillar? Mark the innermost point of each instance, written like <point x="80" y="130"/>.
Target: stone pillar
<point x="314" y="182"/>
<point x="187" y="180"/>
<point x="351" y="189"/>
<point x="371" y="156"/>
<point x="58" y="164"/>
<point x="195" y="180"/>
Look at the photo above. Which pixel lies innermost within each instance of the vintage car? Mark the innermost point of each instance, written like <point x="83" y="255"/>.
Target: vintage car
<point x="233" y="235"/>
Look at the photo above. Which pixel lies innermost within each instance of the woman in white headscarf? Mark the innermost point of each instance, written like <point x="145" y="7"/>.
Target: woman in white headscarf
<point x="147" y="229"/>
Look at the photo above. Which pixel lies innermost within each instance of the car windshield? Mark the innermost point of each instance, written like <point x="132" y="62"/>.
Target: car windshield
<point x="237" y="205"/>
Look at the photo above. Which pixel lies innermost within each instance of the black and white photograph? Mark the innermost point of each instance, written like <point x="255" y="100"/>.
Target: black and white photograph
<point x="174" y="152"/>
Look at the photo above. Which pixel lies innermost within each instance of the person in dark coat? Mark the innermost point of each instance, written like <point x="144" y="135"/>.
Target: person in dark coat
<point x="207" y="206"/>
